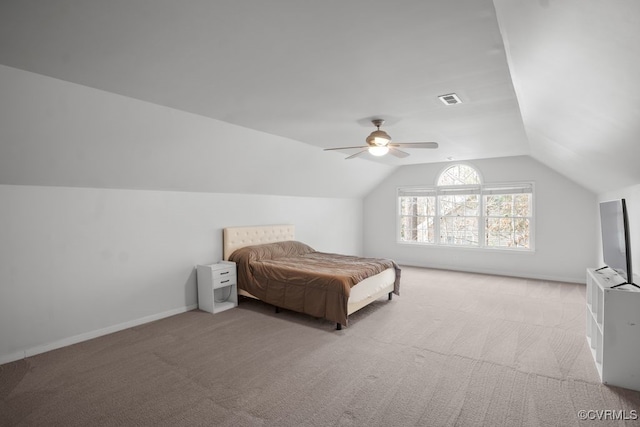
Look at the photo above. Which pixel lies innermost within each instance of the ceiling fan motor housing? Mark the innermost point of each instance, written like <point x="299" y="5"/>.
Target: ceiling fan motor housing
<point x="378" y="138"/>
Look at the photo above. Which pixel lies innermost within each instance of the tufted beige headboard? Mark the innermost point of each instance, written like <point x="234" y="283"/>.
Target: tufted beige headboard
<point x="238" y="237"/>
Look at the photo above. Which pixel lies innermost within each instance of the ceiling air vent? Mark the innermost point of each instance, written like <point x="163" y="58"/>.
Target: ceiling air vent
<point x="450" y="99"/>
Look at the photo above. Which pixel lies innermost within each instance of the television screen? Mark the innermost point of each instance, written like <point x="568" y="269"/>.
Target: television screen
<point x="616" y="248"/>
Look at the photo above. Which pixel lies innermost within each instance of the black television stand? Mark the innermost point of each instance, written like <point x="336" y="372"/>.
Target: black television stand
<point x="625" y="283"/>
<point x="619" y="284"/>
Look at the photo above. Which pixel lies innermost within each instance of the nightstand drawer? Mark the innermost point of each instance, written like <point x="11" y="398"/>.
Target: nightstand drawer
<point x="224" y="272"/>
<point x="224" y="281"/>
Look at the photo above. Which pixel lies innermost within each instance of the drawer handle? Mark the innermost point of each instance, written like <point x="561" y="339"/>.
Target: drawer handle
<point x="225" y="281"/>
<point x="224" y="272"/>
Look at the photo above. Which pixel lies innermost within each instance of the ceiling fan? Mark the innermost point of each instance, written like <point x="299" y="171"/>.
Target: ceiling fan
<point x="379" y="143"/>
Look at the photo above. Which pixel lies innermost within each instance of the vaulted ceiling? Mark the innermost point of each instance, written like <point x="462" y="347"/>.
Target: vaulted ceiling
<point x="575" y="67"/>
<point x="553" y="79"/>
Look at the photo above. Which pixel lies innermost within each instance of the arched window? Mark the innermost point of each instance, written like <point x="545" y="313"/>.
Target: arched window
<point x="459" y="174"/>
<point x="462" y="211"/>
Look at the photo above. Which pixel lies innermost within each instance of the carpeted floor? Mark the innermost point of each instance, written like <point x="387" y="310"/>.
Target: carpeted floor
<point x="454" y="349"/>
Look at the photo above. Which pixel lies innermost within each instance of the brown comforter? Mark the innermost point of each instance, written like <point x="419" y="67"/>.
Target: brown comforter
<point x="294" y="276"/>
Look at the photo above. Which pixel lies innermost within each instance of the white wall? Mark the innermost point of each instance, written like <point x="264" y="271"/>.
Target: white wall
<point x="76" y="263"/>
<point x="565" y="215"/>
<point x="632" y="197"/>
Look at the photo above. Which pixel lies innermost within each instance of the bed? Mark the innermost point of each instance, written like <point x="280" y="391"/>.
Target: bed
<point x="275" y="268"/>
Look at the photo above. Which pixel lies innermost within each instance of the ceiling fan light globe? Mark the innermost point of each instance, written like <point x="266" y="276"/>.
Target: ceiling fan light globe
<point x="378" y="151"/>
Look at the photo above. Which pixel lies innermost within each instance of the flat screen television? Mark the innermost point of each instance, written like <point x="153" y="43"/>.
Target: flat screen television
<point x="616" y="245"/>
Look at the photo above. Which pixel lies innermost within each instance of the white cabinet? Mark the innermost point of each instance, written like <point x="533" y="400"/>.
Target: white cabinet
<point x="217" y="287"/>
<point x="613" y="328"/>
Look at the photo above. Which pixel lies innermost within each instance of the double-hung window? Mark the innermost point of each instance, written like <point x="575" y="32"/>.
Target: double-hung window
<point x="417" y="215"/>
<point x="461" y="211"/>
<point x="459" y="215"/>
<point x="508" y="215"/>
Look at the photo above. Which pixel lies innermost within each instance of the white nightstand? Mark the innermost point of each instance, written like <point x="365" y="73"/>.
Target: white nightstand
<point x="217" y="286"/>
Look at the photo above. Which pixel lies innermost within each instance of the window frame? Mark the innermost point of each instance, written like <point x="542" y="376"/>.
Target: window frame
<point x="483" y="190"/>
<point x="519" y="188"/>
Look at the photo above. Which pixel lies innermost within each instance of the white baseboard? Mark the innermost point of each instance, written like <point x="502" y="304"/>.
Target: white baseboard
<point x="92" y="334"/>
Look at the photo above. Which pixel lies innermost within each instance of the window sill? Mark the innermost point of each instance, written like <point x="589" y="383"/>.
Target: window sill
<point x="467" y="248"/>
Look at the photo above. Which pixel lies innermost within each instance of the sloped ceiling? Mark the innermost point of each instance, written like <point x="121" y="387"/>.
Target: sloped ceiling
<point x="575" y="67"/>
<point x="316" y="73"/>
<point x="57" y="133"/>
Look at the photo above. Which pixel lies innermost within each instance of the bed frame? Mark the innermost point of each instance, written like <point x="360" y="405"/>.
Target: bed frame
<point x="362" y="295"/>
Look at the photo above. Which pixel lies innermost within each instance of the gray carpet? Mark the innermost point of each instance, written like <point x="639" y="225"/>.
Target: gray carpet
<point x="454" y="349"/>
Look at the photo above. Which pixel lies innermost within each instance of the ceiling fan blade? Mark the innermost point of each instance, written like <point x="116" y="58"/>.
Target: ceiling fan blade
<point x="414" y="144"/>
<point x="398" y="153"/>
<point x="345" y="148"/>
<point x="356" y="155"/>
